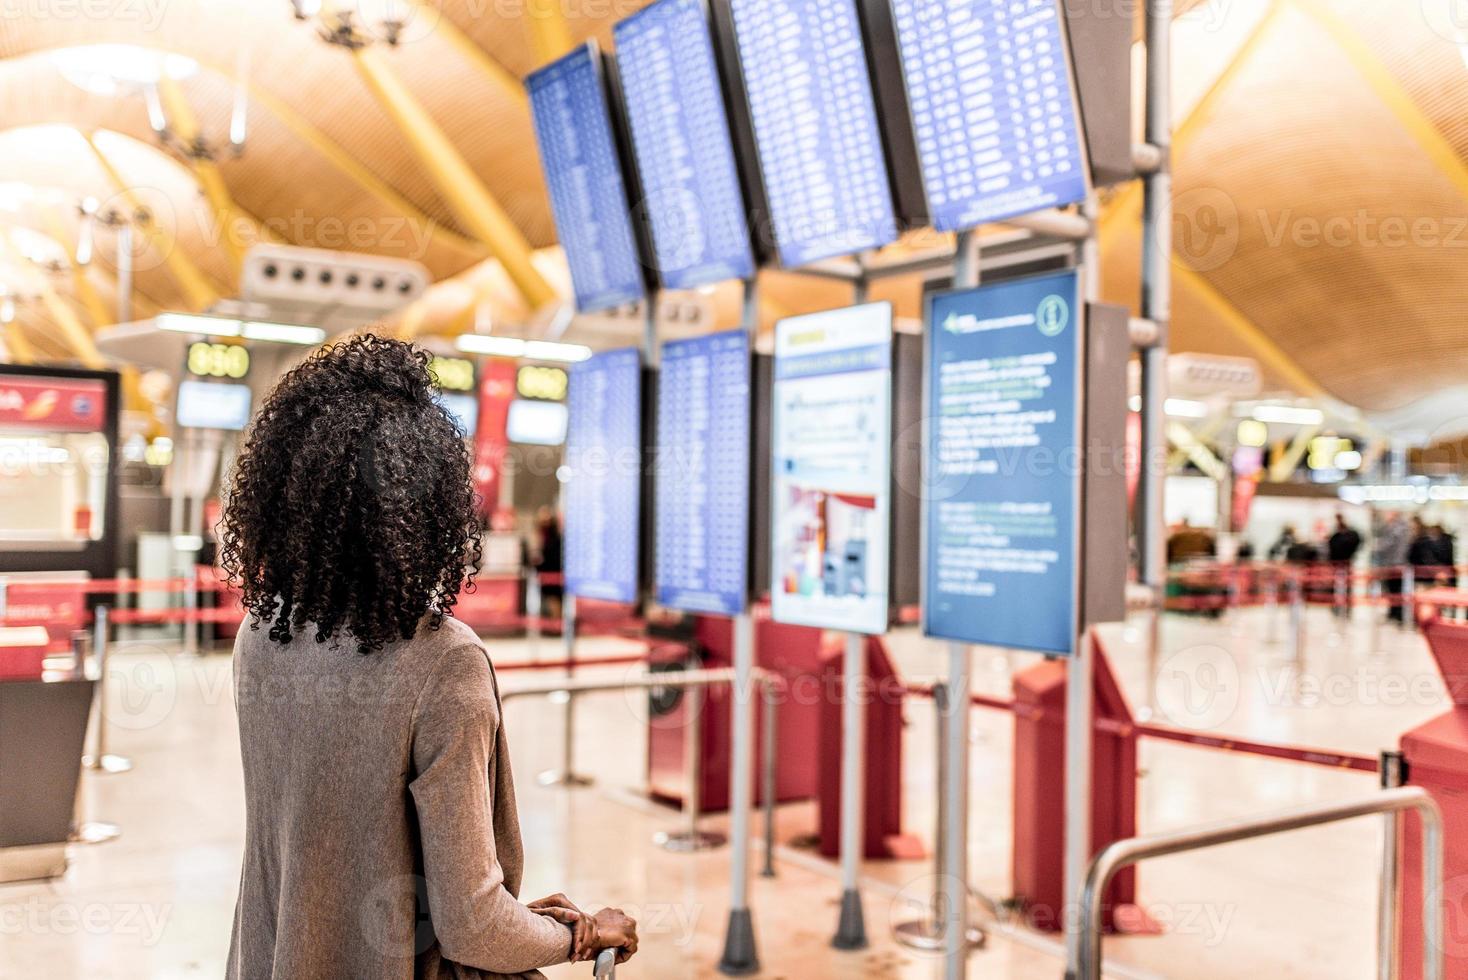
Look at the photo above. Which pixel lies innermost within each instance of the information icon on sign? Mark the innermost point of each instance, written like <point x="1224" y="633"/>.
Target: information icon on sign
<point x="1052" y="315"/>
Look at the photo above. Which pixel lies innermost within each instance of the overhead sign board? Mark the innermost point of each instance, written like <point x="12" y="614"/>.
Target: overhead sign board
<point x="831" y="469"/>
<point x="1004" y="464"/>
<point x="804" y="68"/>
<point x="603" y="488"/>
<point x="667" y="63"/>
<point x="994" y="109"/>
<point x="703" y="474"/>
<point x="584" y="173"/>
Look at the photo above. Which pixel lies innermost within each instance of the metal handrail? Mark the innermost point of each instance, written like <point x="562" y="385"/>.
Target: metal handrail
<point x="1119" y="855"/>
<point x="605" y="967"/>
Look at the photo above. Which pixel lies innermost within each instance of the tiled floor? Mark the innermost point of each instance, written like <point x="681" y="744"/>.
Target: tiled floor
<point x="157" y="902"/>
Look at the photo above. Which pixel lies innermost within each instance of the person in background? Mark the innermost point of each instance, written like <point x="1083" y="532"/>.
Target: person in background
<point x="1280" y="550"/>
<point x="549" y="561"/>
<point x="1422" y="553"/>
<point x="1389" y="552"/>
<point x="382" y="840"/>
<point x="1187" y="541"/>
<point x="1444" y="550"/>
<point x="1340" y="550"/>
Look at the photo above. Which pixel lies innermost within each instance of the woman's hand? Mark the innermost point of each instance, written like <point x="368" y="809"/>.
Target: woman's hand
<point x="617" y="930"/>
<point x="585" y="933"/>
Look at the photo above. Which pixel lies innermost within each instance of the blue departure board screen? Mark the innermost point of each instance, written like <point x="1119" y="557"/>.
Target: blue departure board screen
<point x="702" y="519"/>
<point x="815" y="125"/>
<point x="994" y="112"/>
<point x="685" y="155"/>
<point x="1002" y="474"/>
<point x="603" y="489"/>
<point x="583" y="173"/>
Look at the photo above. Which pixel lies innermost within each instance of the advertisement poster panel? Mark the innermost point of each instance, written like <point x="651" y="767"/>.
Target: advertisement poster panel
<point x="832" y="469"/>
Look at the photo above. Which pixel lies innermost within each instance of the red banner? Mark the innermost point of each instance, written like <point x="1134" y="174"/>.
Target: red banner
<point x="496" y="391"/>
<point x="52" y="404"/>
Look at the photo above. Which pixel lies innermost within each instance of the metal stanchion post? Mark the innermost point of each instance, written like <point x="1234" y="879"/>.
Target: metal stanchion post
<point x="1387" y="903"/>
<point x="86" y="831"/>
<point x="691" y="838"/>
<point x="1297" y="618"/>
<point x="100" y="759"/>
<point x="1342" y="605"/>
<point x="851" y="930"/>
<point x="532" y="613"/>
<point x="1271" y="607"/>
<point x="1409" y="597"/>
<point x="772" y="789"/>
<point x="566" y="775"/>
<point x="1375" y="592"/>
<point x="191" y="607"/>
<point x="740" y="956"/>
<point x="929" y="933"/>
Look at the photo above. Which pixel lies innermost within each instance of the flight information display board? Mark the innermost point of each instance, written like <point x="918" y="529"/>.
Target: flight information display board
<point x="1003" y="464"/>
<point x="804" y="67"/>
<point x="583" y="173"/>
<point x="704" y="434"/>
<point x="685" y="153"/>
<point x="831" y="469"/>
<point x="994" y="110"/>
<point x="603" y="490"/>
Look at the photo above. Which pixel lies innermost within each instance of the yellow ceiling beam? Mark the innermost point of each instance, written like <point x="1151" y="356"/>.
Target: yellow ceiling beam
<point x="455" y="179"/>
<point x="1391" y="92"/>
<point x="188" y="276"/>
<point x="86" y="291"/>
<point x="77" y="337"/>
<point x="550" y="35"/>
<point x="20" y="349"/>
<point x="1270" y="354"/>
<point x="1287" y="462"/>
<point x="504" y="80"/>
<point x="331" y="151"/>
<point x="228" y="218"/>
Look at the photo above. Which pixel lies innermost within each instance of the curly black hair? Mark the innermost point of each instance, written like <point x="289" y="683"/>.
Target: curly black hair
<point x="351" y="507"/>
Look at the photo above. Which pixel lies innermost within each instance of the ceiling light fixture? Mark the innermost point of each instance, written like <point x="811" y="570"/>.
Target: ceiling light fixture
<point x="1287" y="415"/>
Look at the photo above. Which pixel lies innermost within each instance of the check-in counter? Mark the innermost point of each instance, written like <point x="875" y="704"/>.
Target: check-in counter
<point x="43" y="723"/>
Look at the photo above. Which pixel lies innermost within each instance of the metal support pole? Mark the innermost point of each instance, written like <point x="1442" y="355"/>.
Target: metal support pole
<point x="566" y="775"/>
<point x="650" y="329"/>
<point x="124" y="272"/>
<point x="740" y="955"/>
<point x="1271" y="606"/>
<point x="100" y="759"/>
<point x="1297" y="618"/>
<point x="927" y="932"/>
<point x="771" y="788"/>
<point x="533" y="613"/>
<point x="1388" y="956"/>
<point x="958" y="937"/>
<point x="691" y="838"/>
<point x="1156" y="308"/>
<point x="1409" y="597"/>
<point x="851" y="929"/>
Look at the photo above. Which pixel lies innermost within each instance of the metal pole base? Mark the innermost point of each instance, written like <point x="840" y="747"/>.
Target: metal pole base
<point x="851" y="931"/>
<point x="94" y="832"/>
<point x="570" y="780"/>
<point x="928" y="936"/>
<point x="107" y="763"/>
<point x="740" y="958"/>
<point x="688" y="841"/>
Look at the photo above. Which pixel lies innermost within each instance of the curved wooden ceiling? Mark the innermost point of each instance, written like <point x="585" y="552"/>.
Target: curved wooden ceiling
<point x="1342" y="114"/>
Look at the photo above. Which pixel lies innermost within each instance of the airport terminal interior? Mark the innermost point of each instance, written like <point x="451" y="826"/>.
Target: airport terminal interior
<point x="944" y="488"/>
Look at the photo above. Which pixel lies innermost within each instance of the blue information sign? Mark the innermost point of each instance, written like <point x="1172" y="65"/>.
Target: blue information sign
<point x="1003" y="466"/>
<point x="604" y="486"/>
<point x="805" y="71"/>
<point x="685" y="155"/>
<point x="702" y="519"/>
<point x="994" y="110"/>
<point x="588" y="193"/>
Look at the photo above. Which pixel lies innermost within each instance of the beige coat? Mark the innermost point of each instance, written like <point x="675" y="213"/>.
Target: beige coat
<point x="381" y="838"/>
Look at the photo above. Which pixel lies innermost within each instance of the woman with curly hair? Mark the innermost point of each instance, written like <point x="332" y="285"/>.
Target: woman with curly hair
<point x="381" y="836"/>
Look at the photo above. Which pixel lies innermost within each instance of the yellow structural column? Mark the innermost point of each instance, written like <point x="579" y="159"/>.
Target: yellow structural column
<point x="455" y="179"/>
<point x="189" y="277"/>
<point x="550" y="36"/>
